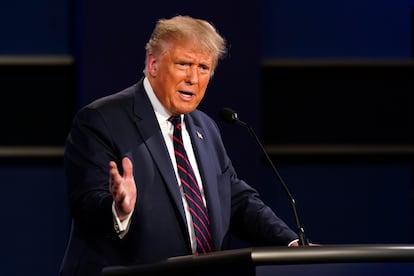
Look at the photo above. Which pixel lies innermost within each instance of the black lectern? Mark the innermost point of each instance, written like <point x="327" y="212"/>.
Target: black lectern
<point x="245" y="261"/>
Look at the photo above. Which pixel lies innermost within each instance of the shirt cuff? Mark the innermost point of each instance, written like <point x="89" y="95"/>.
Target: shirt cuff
<point x="121" y="228"/>
<point x="290" y="244"/>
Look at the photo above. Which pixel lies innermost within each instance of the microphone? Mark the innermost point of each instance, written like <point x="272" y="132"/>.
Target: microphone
<point x="230" y="116"/>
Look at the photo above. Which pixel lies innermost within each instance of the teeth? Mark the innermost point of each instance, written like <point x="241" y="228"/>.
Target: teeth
<point x="187" y="93"/>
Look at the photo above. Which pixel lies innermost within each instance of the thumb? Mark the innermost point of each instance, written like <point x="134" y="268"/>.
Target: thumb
<point x="127" y="167"/>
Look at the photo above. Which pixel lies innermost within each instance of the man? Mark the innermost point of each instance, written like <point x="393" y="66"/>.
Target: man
<point x="142" y="211"/>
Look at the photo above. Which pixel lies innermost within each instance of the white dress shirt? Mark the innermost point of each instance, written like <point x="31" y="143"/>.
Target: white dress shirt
<point x="167" y="131"/>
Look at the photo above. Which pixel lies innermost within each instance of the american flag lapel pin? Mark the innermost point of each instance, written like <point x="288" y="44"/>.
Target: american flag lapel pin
<point x="200" y="136"/>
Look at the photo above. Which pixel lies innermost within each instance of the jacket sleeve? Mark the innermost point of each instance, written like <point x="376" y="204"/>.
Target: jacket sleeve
<point x="250" y="218"/>
<point x="87" y="154"/>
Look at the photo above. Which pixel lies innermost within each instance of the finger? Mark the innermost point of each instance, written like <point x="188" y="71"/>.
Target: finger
<point x="113" y="169"/>
<point x="112" y="166"/>
<point x="113" y="173"/>
<point x="127" y="166"/>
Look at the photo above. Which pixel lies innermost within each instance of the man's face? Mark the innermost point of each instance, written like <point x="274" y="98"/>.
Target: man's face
<point x="180" y="76"/>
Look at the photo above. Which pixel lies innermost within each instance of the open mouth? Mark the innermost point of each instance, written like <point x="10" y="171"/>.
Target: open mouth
<point x="186" y="93"/>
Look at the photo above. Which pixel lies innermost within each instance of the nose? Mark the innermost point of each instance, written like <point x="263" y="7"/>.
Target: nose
<point x="192" y="75"/>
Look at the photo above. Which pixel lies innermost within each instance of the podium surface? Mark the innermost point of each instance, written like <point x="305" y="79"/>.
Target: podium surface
<point x="262" y="260"/>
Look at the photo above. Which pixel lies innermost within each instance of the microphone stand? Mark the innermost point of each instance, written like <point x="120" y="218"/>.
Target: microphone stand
<point x="300" y="230"/>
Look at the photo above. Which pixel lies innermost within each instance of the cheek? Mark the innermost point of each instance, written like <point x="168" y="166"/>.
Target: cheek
<point x="203" y="85"/>
<point x="202" y="93"/>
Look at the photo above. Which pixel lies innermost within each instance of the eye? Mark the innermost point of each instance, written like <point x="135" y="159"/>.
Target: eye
<point x="204" y="68"/>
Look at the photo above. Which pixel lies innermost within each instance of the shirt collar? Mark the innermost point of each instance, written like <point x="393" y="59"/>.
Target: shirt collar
<point x="161" y="112"/>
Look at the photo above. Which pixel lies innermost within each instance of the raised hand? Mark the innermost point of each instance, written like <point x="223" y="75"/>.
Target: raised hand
<point x="122" y="188"/>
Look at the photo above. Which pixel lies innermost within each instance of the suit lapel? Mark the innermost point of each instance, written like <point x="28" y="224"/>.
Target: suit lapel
<point x="205" y="163"/>
<point x="150" y="132"/>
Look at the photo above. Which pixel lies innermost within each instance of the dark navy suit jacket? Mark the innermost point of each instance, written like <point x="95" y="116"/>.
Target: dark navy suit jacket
<point x="124" y="124"/>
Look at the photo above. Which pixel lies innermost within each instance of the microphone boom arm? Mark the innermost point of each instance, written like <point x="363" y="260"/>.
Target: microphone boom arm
<point x="300" y="230"/>
<point x="231" y="116"/>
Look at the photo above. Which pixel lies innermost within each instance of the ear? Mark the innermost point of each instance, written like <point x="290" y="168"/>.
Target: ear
<point x="152" y="65"/>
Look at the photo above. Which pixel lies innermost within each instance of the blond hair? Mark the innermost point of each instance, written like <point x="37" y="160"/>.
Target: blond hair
<point x="186" y="28"/>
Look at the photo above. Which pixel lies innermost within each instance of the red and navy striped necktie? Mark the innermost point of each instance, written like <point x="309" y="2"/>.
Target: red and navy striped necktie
<point x="201" y="222"/>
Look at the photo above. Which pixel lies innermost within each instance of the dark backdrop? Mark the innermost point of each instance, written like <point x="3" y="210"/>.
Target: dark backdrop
<point x="343" y="196"/>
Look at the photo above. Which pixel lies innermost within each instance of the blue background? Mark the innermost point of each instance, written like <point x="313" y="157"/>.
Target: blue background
<point x="341" y="200"/>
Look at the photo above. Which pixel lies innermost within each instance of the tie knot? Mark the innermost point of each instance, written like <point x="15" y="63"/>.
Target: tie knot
<point x="176" y="121"/>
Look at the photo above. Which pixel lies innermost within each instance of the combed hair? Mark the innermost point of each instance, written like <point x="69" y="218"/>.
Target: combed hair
<point x="186" y="28"/>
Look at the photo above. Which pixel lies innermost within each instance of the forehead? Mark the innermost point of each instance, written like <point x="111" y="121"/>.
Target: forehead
<point x="191" y="50"/>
